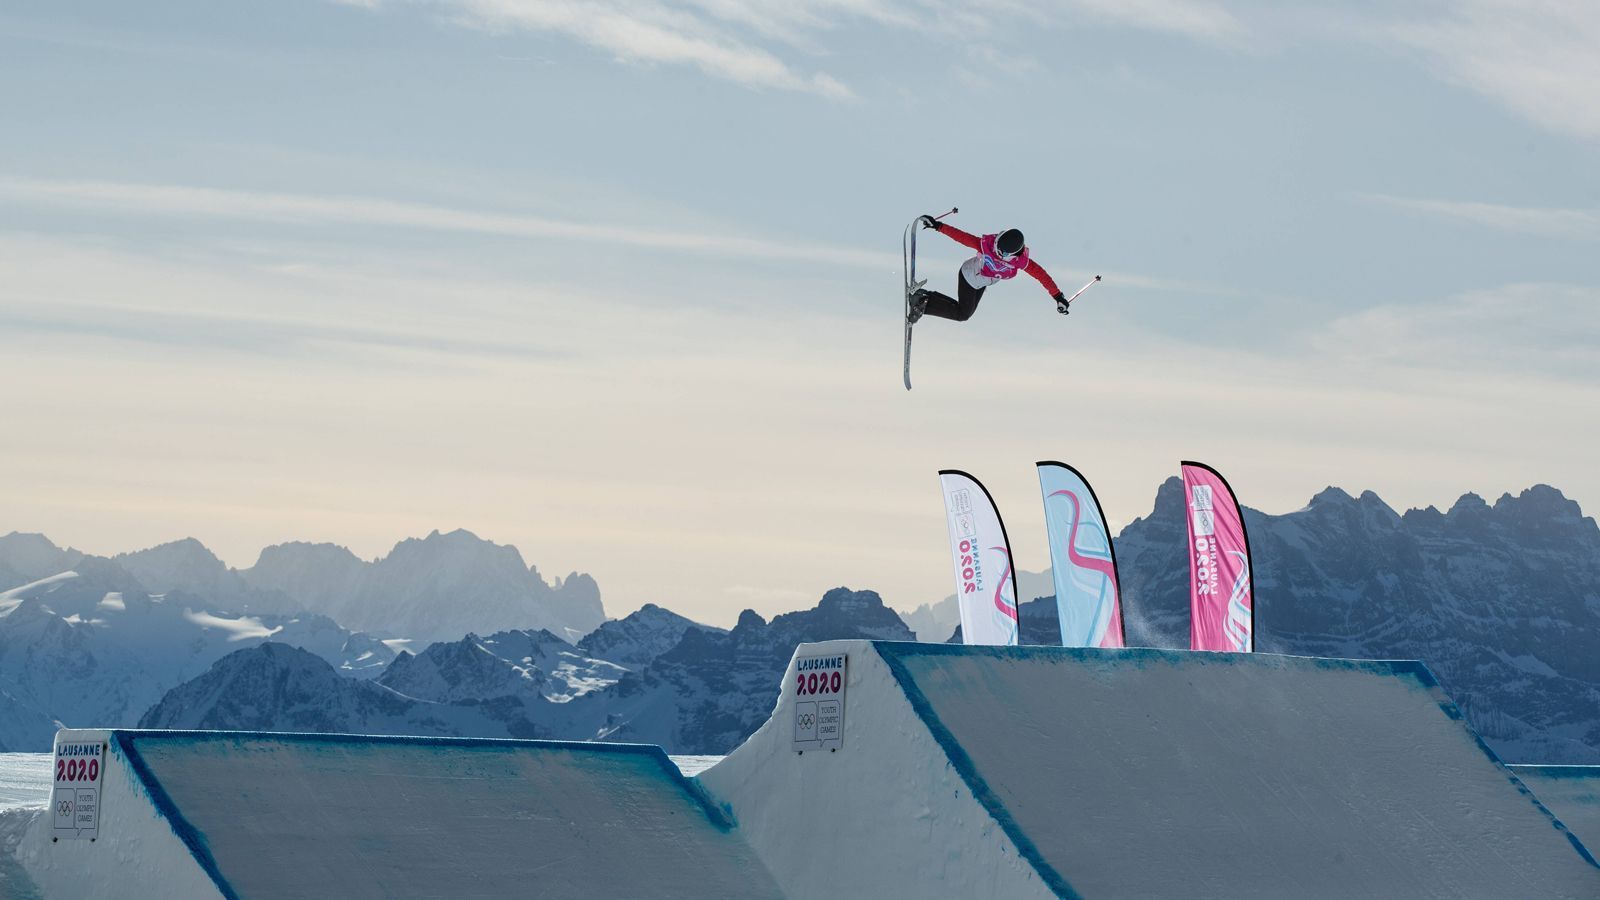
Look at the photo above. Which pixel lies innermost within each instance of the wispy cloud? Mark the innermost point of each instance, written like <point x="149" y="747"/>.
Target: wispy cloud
<point x="1566" y="224"/>
<point x="1527" y="328"/>
<point x="1536" y="57"/>
<point x="739" y="40"/>
<point x="183" y="200"/>
<point x="1190" y="18"/>
<point x="645" y="31"/>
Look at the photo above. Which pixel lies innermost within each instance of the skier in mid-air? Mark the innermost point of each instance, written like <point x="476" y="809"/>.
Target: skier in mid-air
<point x="1000" y="256"/>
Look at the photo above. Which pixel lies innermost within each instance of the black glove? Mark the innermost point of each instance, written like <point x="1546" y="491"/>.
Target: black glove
<point x="930" y="222"/>
<point x="1061" y="303"/>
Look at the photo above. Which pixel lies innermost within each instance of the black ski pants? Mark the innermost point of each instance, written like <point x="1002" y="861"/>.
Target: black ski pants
<point x="960" y="309"/>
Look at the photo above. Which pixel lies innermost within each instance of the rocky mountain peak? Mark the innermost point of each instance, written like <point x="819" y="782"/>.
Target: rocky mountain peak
<point x="305" y="555"/>
<point x="1368" y="511"/>
<point x="1469" y="504"/>
<point x="1542" y="504"/>
<point x="845" y="602"/>
<point x="749" y="621"/>
<point x="451" y="671"/>
<point x="1332" y="496"/>
<point x="185" y="553"/>
<point x="1169" y="499"/>
<point x="27" y="557"/>
<point x="456" y="544"/>
<point x="638" y="638"/>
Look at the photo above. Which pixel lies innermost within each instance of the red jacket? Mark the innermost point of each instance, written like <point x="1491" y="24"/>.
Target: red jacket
<point x="988" y="266"/>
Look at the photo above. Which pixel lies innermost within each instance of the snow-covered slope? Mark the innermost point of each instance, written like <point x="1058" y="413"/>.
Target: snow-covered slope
<point x="298" y="691"/>
<point x="462" y="670"/>
<point x="568" y="670"/>
<point x="639" y="638"/>
<point x="91" y="647"/>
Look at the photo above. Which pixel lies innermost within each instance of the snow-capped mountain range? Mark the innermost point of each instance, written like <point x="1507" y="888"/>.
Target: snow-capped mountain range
<point x="91" y="644"/>
<point x="1502" y="602"/>
<point x="703" y="694"/>
<point x="94" y="639"/>
<point x="426" y="589"/>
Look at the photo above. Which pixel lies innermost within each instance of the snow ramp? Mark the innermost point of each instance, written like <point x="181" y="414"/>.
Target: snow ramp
<point x="234" y="814"/>
<point x="1050" y="772"/>
<point x="1572" y="793"/>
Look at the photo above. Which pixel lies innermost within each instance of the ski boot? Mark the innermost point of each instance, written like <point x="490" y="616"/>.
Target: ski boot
<point x="916" y="303"/>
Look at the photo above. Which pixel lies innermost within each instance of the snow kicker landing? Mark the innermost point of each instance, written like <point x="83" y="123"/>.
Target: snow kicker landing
<point x="1038" y="772"/>
<point x="235" y="814"/>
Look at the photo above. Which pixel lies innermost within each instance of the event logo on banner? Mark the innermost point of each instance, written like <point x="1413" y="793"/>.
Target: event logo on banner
<point x="75" y="799"/>
<point x="986" y="585"/>
<point x="1221" y="601"/>
<point x="1081" y="559"/>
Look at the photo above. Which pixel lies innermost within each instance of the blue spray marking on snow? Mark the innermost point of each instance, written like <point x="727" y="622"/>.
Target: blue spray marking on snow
<point x="1454" y="712"/>
<point x="182" y="827"/>
<point x="964" y="766"/>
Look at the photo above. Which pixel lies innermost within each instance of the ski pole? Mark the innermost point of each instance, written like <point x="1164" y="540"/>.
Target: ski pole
<point x="953" y="211"/>
<point x="1081" y="290"/>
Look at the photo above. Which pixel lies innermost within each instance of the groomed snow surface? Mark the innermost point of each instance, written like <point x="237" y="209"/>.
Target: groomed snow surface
<point x="24" y="780"/>
<point x="24" y="793"/>
<point x="963" y="772"/>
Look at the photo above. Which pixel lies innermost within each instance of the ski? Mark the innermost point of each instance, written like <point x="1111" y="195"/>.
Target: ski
<point x="908" y="246"/>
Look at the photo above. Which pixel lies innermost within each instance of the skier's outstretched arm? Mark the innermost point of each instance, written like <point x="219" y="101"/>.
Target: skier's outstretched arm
<point x="1038" y="272"/>
<point x="1049" y="284"/>
<point x="953" y="233"/>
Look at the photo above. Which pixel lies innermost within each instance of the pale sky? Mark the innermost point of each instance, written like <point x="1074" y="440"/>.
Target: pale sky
<point x="618" y="282"/>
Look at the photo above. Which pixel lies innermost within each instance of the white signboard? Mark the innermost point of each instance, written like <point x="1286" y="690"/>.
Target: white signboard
<point x="819" y="702"/>
<point x="75" y="803"/>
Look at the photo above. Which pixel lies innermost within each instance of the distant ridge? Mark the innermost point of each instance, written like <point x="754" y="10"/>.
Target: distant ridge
<point x="428" y="589"/>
